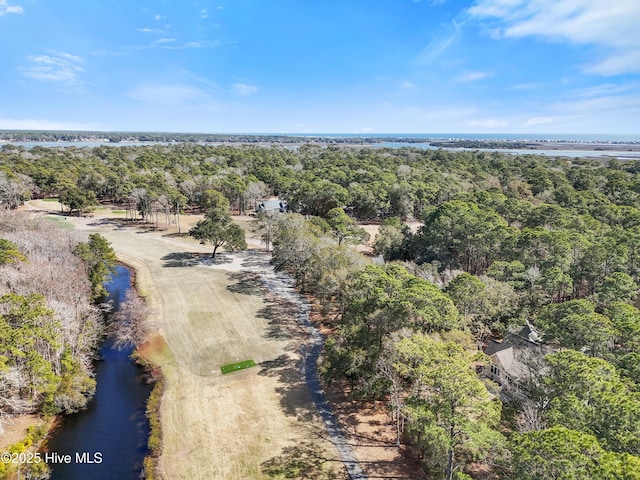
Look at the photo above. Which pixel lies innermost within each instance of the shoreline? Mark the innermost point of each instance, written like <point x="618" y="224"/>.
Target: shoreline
<point x="143" y="358"/>
<point x="534" y="145"/>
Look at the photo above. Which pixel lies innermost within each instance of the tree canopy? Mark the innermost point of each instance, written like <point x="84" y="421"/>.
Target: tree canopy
<point x="218" y="228"/>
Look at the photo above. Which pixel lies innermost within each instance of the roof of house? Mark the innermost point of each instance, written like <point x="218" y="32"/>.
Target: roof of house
<point x="515" y="350"/>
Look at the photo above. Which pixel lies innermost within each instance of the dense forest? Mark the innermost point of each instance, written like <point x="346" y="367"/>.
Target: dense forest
<point x="475" y="245"/>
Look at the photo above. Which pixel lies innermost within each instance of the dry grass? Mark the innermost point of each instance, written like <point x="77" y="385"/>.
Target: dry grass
<point x="15" y="430"/>
<point x="215" y="426"/>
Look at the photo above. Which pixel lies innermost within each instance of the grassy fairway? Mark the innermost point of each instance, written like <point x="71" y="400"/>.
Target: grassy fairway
<point x="208" y="315"/>
<point x="232" y="367"/>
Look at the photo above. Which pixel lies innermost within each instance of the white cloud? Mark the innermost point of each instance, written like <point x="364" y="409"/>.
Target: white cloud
<point x="472" y="77"/>
<point x="203" y="13"/>
<point x="589" y="114"/>
<point x="625" y="106"/>
<point x="537" y="121"/>
<point x="188" y="45"/>
<point x="165" y="40"/>
<point x="609" y="25"/>
<point x="243" y="89"/>
<point x="58" y="67"/>
<point x="488" y="123"/>
<point x="439" y="45"/>
<point x="621" y="62"/>
<point x="6" y="8"/>
<point x="602" y="90"/>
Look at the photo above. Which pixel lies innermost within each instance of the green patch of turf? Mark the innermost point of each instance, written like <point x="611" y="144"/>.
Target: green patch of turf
<point x="233" y="367"/>
<point x="49" y="199"/>
<point x="118" y="211"/>
<point x="62" y="222"/>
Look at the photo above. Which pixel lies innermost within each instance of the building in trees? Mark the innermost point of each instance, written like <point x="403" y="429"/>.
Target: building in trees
<point x="514" y="361"/>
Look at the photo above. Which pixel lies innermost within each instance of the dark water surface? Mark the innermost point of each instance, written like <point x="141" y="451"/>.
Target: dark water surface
<point x="113" y="431"/>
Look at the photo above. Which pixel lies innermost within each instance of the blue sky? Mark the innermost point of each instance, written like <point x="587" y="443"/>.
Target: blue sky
<point x="331" y="66"/>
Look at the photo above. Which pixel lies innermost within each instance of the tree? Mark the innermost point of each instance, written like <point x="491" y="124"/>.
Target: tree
<point x="218" y="229"/>
<point x="462" y="235"/>
<point x="78" y="199"/>
<point x="9" y="253"/>
<point x="588" y="395"/>
<point x="401" y="200"/>
<point x="575" y="324"/>
<point x="141" y="201"/>
<point x="315" y="198"/>
<point x="366" y="204"/>
<point x="392" y="239"/>
<point x="100" y="262"/>
<point x="255" y="191"/>
<point x="449" y="410"/>
<point x="12" y="192"/>
<point x="265" y="225"/>
<point x="561" y="454"/>
<point x="329" y="272"/>
<point x="27" y="338"/>
<point x="466" y="291"/>
<point x="213" y="199"/>
<point x="233" y="188"/>
<point x="377" y="302"/>
<point x="626" y="319"/>
<point x="618" y="287"/>
<point x="295" y="244"/>
<point x="343" y="227"/>
<point x="129" y="322"/>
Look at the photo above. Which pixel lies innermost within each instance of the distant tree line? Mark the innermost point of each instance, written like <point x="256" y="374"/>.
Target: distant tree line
<point x="166" y="137"/>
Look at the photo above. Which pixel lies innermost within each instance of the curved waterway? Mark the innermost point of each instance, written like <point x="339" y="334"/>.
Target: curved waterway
<point x="108" y="440"/>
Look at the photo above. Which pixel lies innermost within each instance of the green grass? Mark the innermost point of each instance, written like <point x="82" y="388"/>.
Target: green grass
<point x="118" y="211"/>
<point x="233" y="367"/>
<point x="62" y="222"/>
<point x="49" y="199"/>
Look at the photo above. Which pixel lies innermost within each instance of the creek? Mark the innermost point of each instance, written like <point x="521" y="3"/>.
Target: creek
<point x="108" y="440"/>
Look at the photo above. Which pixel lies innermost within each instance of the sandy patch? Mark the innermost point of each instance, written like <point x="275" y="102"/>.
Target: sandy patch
<point x="15" y="429"/>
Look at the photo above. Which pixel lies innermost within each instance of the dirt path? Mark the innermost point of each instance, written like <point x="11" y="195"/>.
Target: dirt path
<point x="281" y="286"/>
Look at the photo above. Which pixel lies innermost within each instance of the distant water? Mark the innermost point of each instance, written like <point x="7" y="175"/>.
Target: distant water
<point x="520" y="151"/>
<point x="427" y="137"/>
<point x="422" y="141"/>
<point x="527" y="137"/>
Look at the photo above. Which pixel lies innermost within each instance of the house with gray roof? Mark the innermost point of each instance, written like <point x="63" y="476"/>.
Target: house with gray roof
<point x="515" y="360"/>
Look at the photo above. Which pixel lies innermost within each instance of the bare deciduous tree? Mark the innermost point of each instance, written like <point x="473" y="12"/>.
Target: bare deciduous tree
<point x="130" y="324"/>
